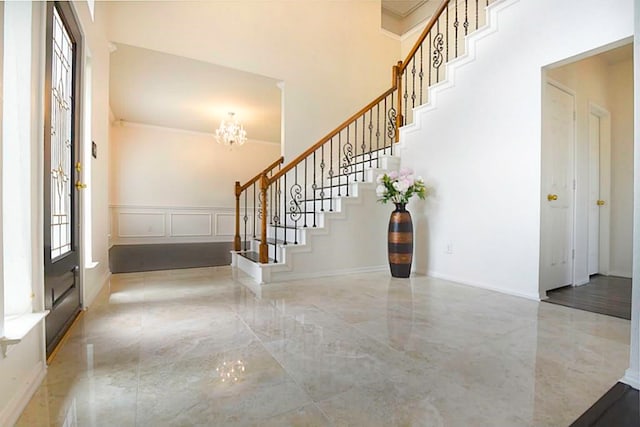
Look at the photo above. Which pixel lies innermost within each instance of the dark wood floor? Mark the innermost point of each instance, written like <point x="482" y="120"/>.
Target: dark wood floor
<point x="608" y="295"/>
<point x="619" y="407"/>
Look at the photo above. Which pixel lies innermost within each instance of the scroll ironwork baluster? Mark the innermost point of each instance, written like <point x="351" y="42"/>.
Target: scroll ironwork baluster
<point x="295" y="210"/>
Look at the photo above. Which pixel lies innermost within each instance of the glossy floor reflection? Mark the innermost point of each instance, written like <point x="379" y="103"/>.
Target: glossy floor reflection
<point x="198" y="347"/>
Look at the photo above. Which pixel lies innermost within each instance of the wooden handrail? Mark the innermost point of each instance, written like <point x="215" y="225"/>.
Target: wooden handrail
<point x="425" y="33"/>
<point x="241" y="188"/>
<point x="330" y="135"/>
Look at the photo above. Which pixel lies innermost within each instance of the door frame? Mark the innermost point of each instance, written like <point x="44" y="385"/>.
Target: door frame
<point x="604" y="246"/>
<point x="542" y="291"/>
<point x="67" y="13"/>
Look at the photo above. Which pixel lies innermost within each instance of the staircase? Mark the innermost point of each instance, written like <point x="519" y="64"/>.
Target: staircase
<point x="317" y="215"/>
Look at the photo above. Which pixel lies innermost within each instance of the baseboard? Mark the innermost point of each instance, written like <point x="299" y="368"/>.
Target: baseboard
<point x="533" y="296"/>
<point x="631" y="378"/>
<point x="90" y="298"/>
<point x="623" y="274"/>
<point x="10" y="414"/>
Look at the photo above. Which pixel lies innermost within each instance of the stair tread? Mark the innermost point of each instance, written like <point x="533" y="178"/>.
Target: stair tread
<point x="272" y="241"/>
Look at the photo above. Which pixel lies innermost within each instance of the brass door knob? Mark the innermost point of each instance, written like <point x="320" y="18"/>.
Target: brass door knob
<point x="80" y="186"/>
<point x="600" y="203"/>
<point x="551" y="197"/>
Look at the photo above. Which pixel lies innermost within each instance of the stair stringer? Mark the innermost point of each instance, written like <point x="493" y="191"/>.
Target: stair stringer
<point x="449" y="81"/>
<point x="351" y="240"/>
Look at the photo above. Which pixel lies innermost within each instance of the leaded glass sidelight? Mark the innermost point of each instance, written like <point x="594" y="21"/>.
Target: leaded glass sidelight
<point x="61" y="134"/>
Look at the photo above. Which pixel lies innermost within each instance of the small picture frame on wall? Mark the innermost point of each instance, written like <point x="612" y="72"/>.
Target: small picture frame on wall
<point x="94" y="150"/>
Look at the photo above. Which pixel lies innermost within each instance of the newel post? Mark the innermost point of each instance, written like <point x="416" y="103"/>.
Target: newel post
<point x="264" y="249"/>
<point x="399" y="117"/>
<point x="237" y="244"/>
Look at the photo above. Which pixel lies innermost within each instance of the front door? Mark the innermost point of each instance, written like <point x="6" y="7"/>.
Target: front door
<point x="558" y="142"/>
<point x="61" y="219"/>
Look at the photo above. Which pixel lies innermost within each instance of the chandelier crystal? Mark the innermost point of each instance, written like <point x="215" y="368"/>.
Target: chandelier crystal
<point x="231" y="132"/>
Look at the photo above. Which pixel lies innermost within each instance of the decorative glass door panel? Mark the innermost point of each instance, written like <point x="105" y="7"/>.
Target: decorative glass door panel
<point x="61" y="128"/>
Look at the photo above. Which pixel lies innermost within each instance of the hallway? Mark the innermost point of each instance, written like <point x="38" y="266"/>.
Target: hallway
<point x="197" y="347"/>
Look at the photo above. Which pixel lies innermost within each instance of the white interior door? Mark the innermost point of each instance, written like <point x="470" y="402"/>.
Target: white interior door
<point x="594" y="194"/>
<point x="558" y="188"/>
<point x="599" y="189"/>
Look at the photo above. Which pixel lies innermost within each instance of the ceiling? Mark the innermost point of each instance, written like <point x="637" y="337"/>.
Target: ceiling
<point x="161" y="89"/>
<point x="402" y="8"/>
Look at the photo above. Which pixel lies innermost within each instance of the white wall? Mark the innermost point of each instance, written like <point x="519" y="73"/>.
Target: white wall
<point x="318" y="48"/>
<point x="632" y="375"/>
<point x="621" y="78"/>
<point x="23" y="368"/>
<point x="170" y="185"/>
<point x="609" y="86"/>
<point x="479" y="146"/>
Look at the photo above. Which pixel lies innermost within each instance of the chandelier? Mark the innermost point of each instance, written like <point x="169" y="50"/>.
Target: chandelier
<point x="231" y="132"/>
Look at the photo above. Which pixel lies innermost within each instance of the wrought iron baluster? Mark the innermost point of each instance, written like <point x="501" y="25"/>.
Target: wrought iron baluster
<point x="476" y="14"/>
<point x="315" y="188"/>
<point x="348" y="155"/>
<point x="456" y="23"/>
<point x="331" y="175"/>
<point x="438" y="45"/>
<point x="246" y="218"/>
<point x="378" y="135"/>
<point x="295" y="210"/>
<point x="284" y="205"/>
<point x="466" y="17"/>
<point x="306" y="199"/>
<point x="385" y="124"/>
<point x="322" y="182"/>
<point x="447" y="32"/>
<point x="413" y="82"/>
<point x="339" y="168"/>
<point x="406" y="95"/>
<point x="254" y="210"/>
<point x="363" y="146"/>
<point x="421" y="75"/>
<point x="371" y="136"/>
<point x="430" y="56"/>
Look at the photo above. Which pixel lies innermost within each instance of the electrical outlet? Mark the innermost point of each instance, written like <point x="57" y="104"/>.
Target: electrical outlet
<point x="449" y="248"/>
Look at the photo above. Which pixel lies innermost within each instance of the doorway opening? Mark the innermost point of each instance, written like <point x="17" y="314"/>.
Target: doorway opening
<point x="588" y="151"/>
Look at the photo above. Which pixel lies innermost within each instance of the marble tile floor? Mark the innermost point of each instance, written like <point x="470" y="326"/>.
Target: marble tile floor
<point x="200" y="347"/>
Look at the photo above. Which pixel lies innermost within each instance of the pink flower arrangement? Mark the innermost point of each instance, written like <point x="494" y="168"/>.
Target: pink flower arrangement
<point x="400" y="186"/>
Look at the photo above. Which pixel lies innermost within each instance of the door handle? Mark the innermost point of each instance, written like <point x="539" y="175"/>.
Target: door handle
<point x="551" y="197"/>
<point x="80" y="186"/>
<point x="600" y="203"/>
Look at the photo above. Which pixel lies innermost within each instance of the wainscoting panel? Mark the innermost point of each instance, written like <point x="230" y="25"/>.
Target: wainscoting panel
<point x="139" y="225"/>
<point x="191" y="224"/>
